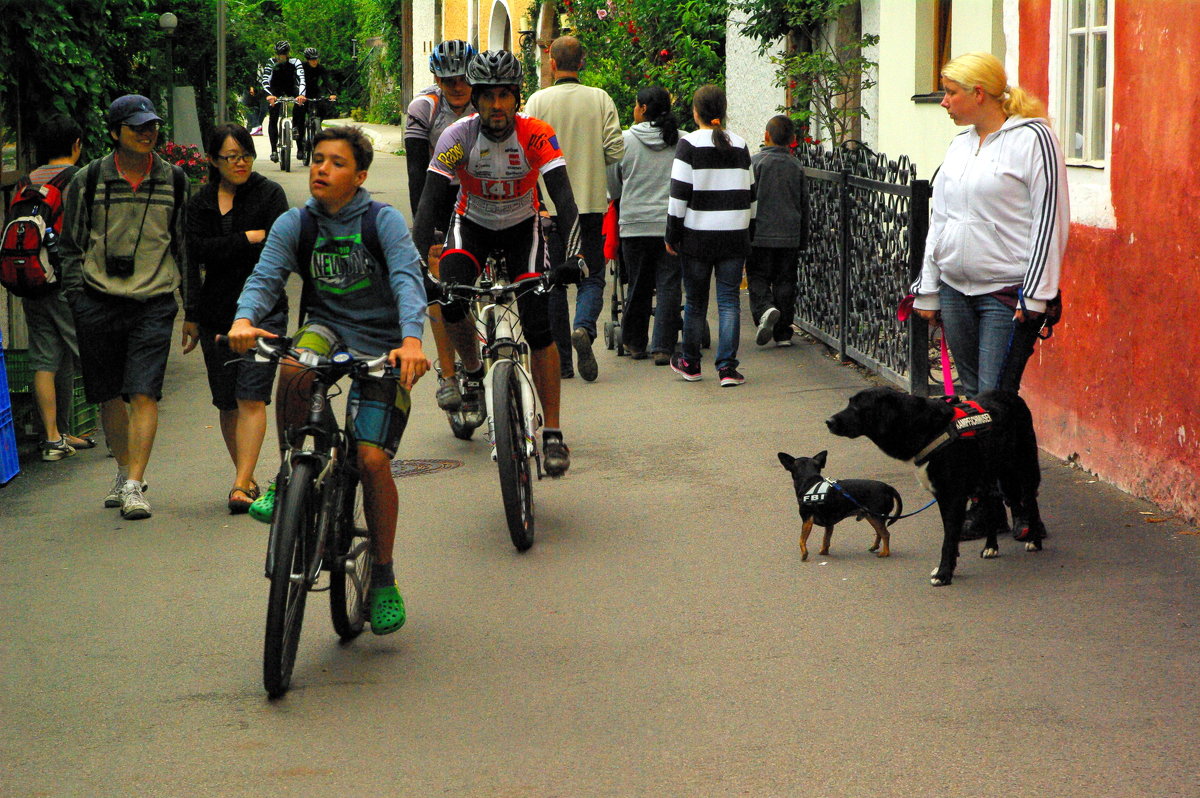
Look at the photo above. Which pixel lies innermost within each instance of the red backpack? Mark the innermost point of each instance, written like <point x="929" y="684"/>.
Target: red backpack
<point x="29" y="244"/>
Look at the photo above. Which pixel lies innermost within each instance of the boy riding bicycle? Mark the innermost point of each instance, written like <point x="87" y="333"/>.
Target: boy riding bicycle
<point x="364" y="293"/>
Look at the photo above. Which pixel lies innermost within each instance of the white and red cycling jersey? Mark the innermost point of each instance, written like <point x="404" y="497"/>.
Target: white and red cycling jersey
<point x="497" y="179"/>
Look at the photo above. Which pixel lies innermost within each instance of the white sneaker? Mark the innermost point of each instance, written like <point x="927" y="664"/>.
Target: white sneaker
<point x="113" y="498"/>
<point x="766" y="326"/>
<point x="133" y="504"/>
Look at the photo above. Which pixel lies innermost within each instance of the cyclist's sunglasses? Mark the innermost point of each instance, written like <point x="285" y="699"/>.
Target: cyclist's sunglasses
<point x="145" y="127"/>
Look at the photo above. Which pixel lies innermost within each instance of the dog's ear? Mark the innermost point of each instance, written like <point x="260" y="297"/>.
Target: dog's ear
<point x="787" y="460"/>
<point x="820" y="459"/>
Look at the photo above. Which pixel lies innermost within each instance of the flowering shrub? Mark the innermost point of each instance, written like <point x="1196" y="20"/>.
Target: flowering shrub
<point x="634" y="43"/>
<point x="188" y="157"/>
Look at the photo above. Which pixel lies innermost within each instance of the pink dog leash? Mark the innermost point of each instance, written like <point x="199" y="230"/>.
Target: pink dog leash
<point x="902" y="313"/>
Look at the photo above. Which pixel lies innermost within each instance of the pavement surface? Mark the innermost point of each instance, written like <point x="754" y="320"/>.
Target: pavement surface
<point x="661" y="638"/>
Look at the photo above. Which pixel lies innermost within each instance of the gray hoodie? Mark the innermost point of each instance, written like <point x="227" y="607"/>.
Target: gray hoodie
<point x="372" y="306"/>
<point x="780" y="223"/>
<point x="641" y="180"/>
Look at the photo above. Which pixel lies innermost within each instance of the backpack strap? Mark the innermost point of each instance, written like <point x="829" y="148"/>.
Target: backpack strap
<point x="370" y="233"/>
<point x="89" y="189"/>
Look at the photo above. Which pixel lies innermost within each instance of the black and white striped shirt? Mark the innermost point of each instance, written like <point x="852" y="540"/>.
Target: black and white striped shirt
<point x="712" y="197"/>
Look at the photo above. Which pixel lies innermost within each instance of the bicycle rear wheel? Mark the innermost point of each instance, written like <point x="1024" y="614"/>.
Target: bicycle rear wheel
<point x="285" y="145"/>
<point x="353" y="556"/>
<point x="516" y="477"/>
<point x="291" y="530"/>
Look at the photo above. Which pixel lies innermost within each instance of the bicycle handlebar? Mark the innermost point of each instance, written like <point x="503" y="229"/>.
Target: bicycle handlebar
<point x="572" y="271"/>
<point x="272" y="350"/>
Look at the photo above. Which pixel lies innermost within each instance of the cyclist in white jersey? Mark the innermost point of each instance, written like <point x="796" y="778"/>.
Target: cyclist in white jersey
<point x="497" y="155"/>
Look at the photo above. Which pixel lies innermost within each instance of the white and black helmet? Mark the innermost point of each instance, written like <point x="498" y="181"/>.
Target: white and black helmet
<point x="311" y="53"/>
<point x="495" y="68"/>
<point x="450" y="58"/>
<point x="282" y="47"/>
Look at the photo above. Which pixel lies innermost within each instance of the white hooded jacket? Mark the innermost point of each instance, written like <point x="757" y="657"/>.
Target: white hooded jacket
<point x="1000" y="216"/>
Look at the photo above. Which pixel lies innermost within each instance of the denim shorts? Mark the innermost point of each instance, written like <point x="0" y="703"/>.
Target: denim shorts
<point x="123" y="344"/>
<point x="378" y="408"/>
<point x="232" y="377"/>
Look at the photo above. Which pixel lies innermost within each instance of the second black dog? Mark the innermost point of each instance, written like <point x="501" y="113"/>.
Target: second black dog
<point x="825" y="503"/>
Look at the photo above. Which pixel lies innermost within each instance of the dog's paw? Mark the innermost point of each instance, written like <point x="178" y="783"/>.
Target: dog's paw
<point x="883" y="553"/>
<point x="804" y="556"/>
<point x="939" y="582"/>
<point x="1033" y="545"/>
<point x="989" y="553"/>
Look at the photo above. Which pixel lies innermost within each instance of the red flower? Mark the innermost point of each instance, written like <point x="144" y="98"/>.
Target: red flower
<point x="665" y="53"/>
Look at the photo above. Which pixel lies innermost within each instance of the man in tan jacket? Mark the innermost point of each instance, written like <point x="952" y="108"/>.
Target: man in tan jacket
<point x="589" y="133"/>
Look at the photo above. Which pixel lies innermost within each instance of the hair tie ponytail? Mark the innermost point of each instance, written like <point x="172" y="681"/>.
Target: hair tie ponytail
<point x="715" y="122"/>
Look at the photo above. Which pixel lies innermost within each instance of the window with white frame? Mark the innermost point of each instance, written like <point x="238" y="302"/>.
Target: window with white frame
<point x="1086" y="71"/>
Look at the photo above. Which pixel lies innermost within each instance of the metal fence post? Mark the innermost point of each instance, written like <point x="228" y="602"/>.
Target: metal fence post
<point x="844" y="266"/>
<point x="918" y="339"/>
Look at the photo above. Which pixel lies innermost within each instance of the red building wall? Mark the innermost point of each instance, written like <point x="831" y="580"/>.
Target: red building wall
<point x="1118" y="383"/>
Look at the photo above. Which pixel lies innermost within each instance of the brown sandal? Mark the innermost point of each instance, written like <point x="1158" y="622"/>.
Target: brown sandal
<point x="241" y="504"/>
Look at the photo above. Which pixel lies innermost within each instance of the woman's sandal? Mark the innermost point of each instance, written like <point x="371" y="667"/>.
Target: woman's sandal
<point x="241" y="504"/>
<point x="387" y="609"/>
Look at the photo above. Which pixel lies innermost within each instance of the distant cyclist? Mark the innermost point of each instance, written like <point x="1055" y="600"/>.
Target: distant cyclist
<point x="318" y="87"/>
<point x="283" y="77"/>
<point x="497" y="156"/>
<point x="429" y="114"/>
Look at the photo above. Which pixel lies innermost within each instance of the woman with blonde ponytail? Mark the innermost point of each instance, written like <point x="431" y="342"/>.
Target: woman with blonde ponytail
<point x="999" y="226"/>
<point x="996" y="239"/>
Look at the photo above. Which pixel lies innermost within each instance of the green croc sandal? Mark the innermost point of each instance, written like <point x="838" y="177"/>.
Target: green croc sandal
<point x="387" y="609"/>
<point x="263" y="508"/>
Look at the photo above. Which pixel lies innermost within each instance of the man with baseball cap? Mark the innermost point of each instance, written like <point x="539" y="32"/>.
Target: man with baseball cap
<point x="122" y="260"/>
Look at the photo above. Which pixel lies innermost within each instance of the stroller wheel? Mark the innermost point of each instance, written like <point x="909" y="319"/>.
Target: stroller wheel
<point x="707" y="340"/>
<point x="609" y="338"/>
<point x="617" y="341"/>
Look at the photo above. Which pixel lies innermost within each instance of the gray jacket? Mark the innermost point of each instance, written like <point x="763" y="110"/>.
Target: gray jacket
<point x="781" y="222"/>
<point x="641" y="180"/>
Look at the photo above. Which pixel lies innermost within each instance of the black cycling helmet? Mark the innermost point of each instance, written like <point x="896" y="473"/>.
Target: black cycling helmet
<point x="311" y="53"/>
<point x="282" y="47"/>
<point x="495" y="68"/>
<point x="450" y="58"/>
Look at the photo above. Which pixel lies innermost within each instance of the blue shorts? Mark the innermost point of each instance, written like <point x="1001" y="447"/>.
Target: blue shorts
<point x="378" y="407"/>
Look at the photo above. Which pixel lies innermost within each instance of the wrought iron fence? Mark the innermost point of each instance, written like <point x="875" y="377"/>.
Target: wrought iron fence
<point x="866" y="237"/>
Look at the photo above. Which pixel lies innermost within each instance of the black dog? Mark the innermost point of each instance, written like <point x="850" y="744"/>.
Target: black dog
<point x="958" y="454"/>
<point x="825" y="503"/>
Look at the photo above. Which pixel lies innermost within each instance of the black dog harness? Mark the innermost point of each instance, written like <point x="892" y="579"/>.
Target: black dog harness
<point x="970" y="419"/>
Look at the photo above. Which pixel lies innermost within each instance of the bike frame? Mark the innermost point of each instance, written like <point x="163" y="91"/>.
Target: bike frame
<point x="506" y="343"/>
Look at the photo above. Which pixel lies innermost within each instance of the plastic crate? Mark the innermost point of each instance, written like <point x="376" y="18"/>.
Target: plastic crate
<point x="20" y="375"/>
<point x="10" y="466"/>
<point x="85" y="417"/>
<point x="4" y="379"/>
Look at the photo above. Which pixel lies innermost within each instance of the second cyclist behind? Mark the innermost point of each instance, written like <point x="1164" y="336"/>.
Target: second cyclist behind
<point x="364" y="294"/>
<point x="429" y="114"/>
<point x="497" y="156"/>
<point x="317" y="88"/>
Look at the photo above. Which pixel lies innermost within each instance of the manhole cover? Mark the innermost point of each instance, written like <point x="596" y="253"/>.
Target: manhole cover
<point x="415" y="468"/>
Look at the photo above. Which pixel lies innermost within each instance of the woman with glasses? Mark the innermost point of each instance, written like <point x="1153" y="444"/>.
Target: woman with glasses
<point x="227" y="222"/>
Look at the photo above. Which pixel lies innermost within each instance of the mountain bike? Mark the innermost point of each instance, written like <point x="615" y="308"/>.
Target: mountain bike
<point x="312" y="126"/>
<point x="512" y="401"/>
<point x="285" y="132"/>
<point x="318" y="523"/>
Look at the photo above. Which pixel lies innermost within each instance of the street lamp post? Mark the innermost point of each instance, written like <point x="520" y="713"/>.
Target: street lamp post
<point x="168" y="22"/>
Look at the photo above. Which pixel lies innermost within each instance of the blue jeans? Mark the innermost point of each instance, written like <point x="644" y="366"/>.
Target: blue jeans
<point x="589" y="297"/>
<point x="979" y="331"/>
<point x="697" y="274"/>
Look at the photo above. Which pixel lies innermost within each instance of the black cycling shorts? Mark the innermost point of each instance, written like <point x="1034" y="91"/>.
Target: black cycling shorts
<point x="524" y="249"/>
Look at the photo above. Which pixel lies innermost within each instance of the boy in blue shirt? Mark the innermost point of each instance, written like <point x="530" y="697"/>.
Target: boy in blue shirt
<point x="353" y="303"/>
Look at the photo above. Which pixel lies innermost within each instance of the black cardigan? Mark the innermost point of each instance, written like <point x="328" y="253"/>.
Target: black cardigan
<point x="227" y="260"/>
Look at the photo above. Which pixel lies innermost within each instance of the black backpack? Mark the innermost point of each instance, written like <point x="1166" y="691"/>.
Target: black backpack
<point x="29" y="244"/>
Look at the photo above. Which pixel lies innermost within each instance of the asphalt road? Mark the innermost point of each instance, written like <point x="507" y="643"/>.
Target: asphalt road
<point x="662" y="637"/>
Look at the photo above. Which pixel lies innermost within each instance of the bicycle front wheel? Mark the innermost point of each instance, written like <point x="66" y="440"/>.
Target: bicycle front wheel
<point x="353" y="556"/>
<point x="291" y="530"/>
<point x="512" y="458"/>
<point x="285" y="146"/>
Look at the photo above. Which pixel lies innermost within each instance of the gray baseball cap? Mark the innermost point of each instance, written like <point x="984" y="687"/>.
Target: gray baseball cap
<point x="132" y="110"/>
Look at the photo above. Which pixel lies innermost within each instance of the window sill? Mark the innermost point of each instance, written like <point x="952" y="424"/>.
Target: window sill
<point x="932" y="98"/>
